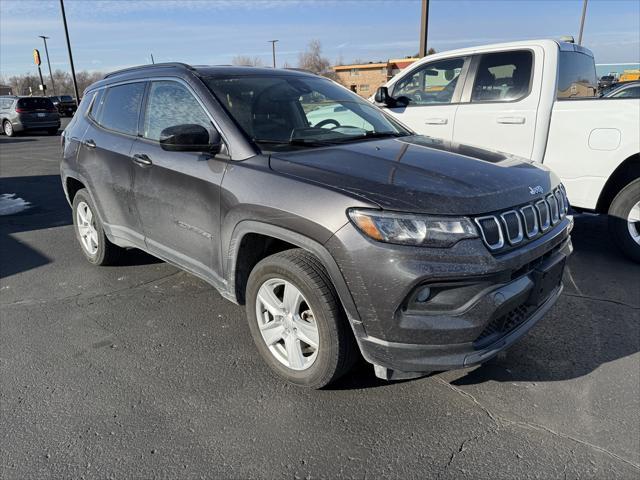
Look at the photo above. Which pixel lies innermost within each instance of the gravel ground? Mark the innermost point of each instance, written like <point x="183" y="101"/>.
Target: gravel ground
<point x="144" y="371"/>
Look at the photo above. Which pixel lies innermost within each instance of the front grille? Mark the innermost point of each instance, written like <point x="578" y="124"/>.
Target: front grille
<point x="510" y="228"/>
<point x="502" y="325"/>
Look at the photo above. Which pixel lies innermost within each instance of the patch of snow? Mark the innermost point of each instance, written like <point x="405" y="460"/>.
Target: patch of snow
<point x="10" y="204"/>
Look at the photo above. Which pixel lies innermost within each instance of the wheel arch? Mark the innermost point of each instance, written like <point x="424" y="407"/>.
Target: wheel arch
<point x="627" y="171"/>
<point x="252" y="241"/>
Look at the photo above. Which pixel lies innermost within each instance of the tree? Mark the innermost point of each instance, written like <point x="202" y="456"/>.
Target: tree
<point x="431" y="51"/>
<point x="311" y="59"/>
<point x="246" y="60"/>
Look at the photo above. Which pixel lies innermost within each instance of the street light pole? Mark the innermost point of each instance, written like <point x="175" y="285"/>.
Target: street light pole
<point x="584" y="14"/>
<point x="424" y="27"/>
<point x="46" y="51"/>
<point x="73" y="70"/>
<point x="273" y="50"/>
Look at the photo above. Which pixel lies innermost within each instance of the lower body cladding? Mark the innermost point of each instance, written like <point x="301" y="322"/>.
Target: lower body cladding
<point x="428" y="309"/>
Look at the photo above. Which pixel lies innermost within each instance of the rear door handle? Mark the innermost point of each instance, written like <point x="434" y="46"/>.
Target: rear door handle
<point x="142" y="159"/>
<point x="89" y="143"/>
<point x="511" y="120"/>
<point x="436" y="121"/>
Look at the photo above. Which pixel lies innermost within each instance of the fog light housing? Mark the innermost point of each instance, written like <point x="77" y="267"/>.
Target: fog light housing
<point x="423" y="295"/>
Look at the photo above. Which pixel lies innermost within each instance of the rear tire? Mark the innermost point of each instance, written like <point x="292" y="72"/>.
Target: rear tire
<point x="94" y="244"/>
<point x="624" y="220"/>
<point x="318" y="307"/>
<point x="7" y="128"/>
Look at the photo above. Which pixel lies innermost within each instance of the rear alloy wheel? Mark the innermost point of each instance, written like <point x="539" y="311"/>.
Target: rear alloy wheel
<point x="94" y="243"/>
<point x="8" y="128"/>
<point x="296" y="320"/>
<point x="624" y="220"/>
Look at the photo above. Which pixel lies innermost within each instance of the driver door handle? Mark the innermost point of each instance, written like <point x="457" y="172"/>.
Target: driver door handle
<point x="142" y="159"/>
<point x="89" y="143"/>
<point x="436" y="121"/>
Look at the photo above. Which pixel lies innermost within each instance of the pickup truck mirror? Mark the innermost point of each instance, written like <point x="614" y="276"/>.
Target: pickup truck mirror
<point x="382" y="96"/>
<point x="190" y="138"/>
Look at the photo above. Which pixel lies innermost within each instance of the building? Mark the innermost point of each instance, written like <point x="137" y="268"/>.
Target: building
<point x="365" y="78"/>
<point x="5" y="90"/>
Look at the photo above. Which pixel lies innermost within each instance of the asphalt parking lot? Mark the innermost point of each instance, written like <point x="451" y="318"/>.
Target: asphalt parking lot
<point x="144" y="371"/>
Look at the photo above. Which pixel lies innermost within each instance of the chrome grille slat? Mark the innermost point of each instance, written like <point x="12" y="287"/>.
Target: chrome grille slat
<point x="521" y="225"/>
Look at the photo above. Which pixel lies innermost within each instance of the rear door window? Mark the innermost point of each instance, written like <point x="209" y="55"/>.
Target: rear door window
<point x="432" y="83"/>
<point x="576" y="76"/>
<point x="503" y="77"/>
<point x="121" y="108"/>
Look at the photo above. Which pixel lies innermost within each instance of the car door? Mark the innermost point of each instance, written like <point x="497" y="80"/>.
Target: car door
<point x="104" y="157"/>
<point x="178" y="193"/>
<point x="428" y="97"/>
<point x="498" y="109"/>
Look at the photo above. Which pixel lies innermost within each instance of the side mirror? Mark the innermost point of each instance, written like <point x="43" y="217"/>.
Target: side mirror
<point x="382" y="96"/>
<point x="190" y="138"/>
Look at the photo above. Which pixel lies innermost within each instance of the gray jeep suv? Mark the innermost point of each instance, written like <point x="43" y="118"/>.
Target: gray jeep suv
<point x="338" y="228"/>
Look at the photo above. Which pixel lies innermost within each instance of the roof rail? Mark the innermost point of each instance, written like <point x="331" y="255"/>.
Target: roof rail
<point x="151" y="65"/>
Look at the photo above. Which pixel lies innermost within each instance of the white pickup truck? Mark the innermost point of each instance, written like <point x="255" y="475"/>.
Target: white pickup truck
<point x="536" y="99"/>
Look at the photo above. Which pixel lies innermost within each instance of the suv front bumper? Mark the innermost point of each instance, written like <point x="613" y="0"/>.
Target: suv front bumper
<point x="482" y="303"/>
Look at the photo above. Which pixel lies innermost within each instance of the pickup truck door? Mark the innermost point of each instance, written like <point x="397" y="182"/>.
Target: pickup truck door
<point x="429" y="95"/>
<point x="500" y="101"/>
<point x="177" y="193"/>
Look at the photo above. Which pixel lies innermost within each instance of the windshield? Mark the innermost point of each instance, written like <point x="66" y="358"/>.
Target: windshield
<point x="283" y="112"/>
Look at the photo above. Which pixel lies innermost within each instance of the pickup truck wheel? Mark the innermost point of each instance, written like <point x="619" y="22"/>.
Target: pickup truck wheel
<point x="93" y="242"/>
<point x="296" y="320"/>
<point x="624" y="220"/>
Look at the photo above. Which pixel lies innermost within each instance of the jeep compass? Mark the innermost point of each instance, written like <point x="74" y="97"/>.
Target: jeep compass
<point x="341" y="231"/>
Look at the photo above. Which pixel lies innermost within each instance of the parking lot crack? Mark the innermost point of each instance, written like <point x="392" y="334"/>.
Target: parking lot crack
<point x="606" y="300"/>
<point x="501" y="420"/>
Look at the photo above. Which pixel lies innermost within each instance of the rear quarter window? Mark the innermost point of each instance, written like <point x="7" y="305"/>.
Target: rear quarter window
<point x="576" y="76"/>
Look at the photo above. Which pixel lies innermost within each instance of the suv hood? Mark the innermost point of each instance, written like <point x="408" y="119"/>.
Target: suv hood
<point x="421" y="174"/>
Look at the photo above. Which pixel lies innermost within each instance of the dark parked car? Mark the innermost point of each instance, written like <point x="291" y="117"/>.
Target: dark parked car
<point x="606" y="82"/>
<point x="624" y="90"/>
<point x="65" y="104"/>
<point x="20" y="114"/>
<point x="339" y="236"/>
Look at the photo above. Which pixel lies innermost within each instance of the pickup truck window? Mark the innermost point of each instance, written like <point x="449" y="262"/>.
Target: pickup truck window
<point x="503" y="76"/>
<point x="432" y="83"/>
<point x="577" y="76"/>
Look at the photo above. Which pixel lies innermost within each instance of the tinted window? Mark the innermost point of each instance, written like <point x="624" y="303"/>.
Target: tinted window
<point x="503" y="77"/>
<point x="577" y="75"/>
<point x="171" y="104"/>
<point x="66" y="98"/>
<point x="35" y="103"/>
<point x="84" y="105"/>
<point x="432" y="83"/>
<point x="97" y="103"/>
<point x="121" y="108"/>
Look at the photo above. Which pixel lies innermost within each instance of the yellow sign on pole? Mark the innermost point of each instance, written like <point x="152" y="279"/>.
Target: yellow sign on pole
<point x="36" y="57"/>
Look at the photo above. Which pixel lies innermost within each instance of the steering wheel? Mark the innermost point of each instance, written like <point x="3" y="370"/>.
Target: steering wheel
<point x="328" y="121"/>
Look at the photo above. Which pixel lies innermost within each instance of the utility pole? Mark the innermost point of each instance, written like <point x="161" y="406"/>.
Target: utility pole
<point x="73" y="70"/>
<point x="273" y="50"/>
<point x="46" y="51"/>
<point x="424" y="27"/>
<point x="584" y="14"/>
<point x="152" y="60"/>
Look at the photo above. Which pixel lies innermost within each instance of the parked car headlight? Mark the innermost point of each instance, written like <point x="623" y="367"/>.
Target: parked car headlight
<point x="411" y="229"/>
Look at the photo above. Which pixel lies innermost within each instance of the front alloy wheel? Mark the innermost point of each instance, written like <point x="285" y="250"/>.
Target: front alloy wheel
<point x="287" y="324"/>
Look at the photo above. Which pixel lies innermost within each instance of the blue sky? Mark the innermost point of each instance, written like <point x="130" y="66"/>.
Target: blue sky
<point x="107" y="35"/>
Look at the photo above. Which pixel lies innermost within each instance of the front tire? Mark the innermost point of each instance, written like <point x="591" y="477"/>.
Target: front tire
<point x="296" y="320"/>
<point x="624" y="220"/>
<point x="94" y="244"/>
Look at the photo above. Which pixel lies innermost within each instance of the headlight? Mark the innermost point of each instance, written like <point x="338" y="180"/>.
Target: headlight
<point x="410" y="229"/>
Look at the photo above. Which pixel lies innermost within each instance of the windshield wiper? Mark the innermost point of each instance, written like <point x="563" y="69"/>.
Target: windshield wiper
<point x="303" y="142"/>
<point x="367" y="135"/>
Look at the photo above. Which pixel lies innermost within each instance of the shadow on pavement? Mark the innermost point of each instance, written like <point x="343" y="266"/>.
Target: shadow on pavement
<point x="5" y="140"/>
